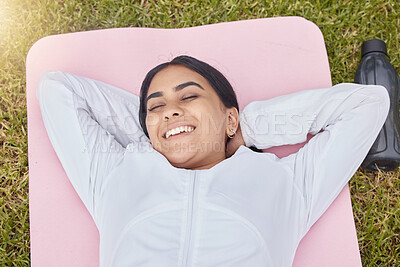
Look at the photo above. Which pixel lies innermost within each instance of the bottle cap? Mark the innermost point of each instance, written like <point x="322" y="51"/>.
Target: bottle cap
<point x="373" y="45"/>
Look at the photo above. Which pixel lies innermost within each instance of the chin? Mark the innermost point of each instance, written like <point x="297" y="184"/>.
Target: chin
<point x="179" y="159"/>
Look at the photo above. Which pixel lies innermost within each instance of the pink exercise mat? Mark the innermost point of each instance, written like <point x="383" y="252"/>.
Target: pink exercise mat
<point x="261" y="58"/>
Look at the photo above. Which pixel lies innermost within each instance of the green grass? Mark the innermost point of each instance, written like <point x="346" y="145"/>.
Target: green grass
<point x="345" y="25"/>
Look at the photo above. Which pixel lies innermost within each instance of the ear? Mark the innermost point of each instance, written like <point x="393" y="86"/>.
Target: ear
<point x="232" y="120"/>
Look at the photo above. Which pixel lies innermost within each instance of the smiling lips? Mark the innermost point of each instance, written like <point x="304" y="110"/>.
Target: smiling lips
<point x="179" y="130"/>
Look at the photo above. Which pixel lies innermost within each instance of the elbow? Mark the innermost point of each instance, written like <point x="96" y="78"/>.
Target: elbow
<point x="379" y="95"/>
<point x="46" y="82"/>
<point x="383" y="99"/>
<point x="382" y="94"/>
<point x="51" y="76"/>
<point x="42" y="86"/>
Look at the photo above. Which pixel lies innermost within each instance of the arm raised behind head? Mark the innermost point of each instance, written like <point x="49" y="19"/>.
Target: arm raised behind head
<point x="89" y="124"/>
<point x="345" y="119"/>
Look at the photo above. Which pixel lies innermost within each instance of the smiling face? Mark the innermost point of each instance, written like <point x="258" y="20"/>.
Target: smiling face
<point x="186" y="120"/>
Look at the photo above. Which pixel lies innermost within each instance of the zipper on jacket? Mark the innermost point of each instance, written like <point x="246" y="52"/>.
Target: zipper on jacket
<point x="191" y="216"/>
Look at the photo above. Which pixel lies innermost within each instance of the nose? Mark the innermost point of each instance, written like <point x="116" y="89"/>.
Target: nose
<point x="172" y="111"/>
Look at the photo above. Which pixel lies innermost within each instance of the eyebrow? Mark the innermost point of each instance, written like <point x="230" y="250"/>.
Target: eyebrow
<point x="176" y="89"/>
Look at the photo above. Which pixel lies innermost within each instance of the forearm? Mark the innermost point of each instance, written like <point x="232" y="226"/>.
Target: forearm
<point x="288" y="119"/>
<point x="114" y="109"/>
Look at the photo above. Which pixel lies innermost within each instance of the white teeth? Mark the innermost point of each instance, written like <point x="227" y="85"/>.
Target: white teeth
<point x="180" y="129"/>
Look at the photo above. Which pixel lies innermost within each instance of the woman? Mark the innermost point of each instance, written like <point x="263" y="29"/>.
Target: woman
<point x="170" y="181"/>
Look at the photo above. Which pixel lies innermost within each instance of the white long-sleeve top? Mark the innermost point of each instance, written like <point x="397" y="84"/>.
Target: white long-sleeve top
<point x="251" y="209"/>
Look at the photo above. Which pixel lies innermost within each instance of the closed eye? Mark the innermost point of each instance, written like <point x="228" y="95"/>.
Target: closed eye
<point x="153" y="108"/>
<point x="185" y="98"/>
<point x="189" y="97"/>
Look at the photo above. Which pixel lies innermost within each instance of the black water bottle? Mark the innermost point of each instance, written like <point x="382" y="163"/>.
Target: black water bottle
<point x="375" y="68"/>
